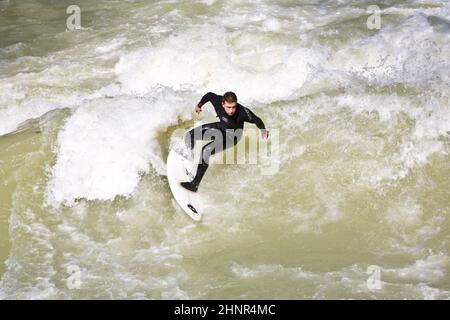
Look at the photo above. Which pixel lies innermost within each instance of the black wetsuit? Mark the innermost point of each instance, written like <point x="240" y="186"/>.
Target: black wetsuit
<point x="224" y="134"/>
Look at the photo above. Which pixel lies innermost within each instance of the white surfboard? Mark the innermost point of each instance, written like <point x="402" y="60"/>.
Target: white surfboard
<point x="181" y="169"/>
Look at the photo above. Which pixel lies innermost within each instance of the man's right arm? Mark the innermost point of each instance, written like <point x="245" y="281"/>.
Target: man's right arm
<point x="206" y="98"/>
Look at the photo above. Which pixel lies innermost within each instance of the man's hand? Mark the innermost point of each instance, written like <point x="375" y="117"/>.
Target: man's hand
<point x="197" y="109"/>
<point x="265" y="134"/>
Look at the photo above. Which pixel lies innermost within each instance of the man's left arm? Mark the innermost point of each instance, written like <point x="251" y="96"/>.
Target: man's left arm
<point x="253" y="118"/>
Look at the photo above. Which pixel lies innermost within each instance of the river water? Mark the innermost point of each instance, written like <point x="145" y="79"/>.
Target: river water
<point x="358" y="208"/>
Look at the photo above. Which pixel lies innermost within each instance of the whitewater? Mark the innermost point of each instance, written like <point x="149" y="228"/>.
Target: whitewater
<point x="358" y="208"/>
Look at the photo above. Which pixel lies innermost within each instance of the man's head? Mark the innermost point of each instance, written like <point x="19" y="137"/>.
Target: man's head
<point x="229" y="102"/>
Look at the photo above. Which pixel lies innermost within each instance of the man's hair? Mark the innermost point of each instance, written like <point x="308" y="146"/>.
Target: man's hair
<point x="229" y="97"/>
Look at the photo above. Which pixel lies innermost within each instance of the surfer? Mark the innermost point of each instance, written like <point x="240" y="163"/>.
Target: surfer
<point x="224" y="134"/>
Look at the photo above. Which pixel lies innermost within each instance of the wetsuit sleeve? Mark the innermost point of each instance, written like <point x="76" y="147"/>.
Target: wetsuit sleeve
<point x="206" y="98"/>
<point x="252" y="118"/>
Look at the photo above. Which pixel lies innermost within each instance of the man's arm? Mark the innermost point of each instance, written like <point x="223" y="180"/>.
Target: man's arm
<point x="206" y="98"/>
<point x="253" y="118"/>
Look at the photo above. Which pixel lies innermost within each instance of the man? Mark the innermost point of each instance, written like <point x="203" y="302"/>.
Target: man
<point x="224" y="134"/>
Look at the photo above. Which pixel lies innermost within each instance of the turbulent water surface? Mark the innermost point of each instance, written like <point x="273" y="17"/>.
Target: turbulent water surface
<point x="359" y="207"/>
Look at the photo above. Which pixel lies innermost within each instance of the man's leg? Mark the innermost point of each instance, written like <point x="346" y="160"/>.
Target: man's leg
<point x="219" y="143"/>
<point x="207" y="151"/>
<point x="209" y="132"/>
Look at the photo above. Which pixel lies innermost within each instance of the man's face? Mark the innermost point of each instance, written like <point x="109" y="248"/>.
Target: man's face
<point x="230" y="107"/>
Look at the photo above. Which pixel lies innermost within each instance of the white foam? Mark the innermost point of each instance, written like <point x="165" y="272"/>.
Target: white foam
<point x="11" y="117"/>
<point x="411" y="53"/>
<point x="13" y="50"/>
<point x="107" y="143"/>
<point x="412" y="235"/>
<point x="430" y="293"/>
<point x="10" y="93"/>
<point x="209" y="2"/>
<point x="212" y="65"/>
<point x="111" y="45"/>
<point x="272" y="24"/>
<point x="432" y="121"/>
<point x="271" y="270"/>
<point x="407" y="212"/>
<point x="430" y="269"/>
<point x="22" y="101"/>
<point x="34" y="85"/>
<point x="32" y="247"/>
